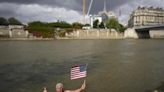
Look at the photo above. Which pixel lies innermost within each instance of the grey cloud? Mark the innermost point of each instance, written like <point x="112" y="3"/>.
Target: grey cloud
<point x="111" y="4"/>
<point x="9" y="8"/>
<point x="72" y="4"/>
<point x="35" y="12"/>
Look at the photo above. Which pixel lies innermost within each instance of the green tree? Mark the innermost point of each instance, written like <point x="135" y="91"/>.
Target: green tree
<point x="40" y="29"/>
<point x="37" y="24"/>
<point x="114" y="24"/>
<point x="14" y="21"/>
<point x="3" y="21"/>
<point x="122" y="28"/>
<point x="102" y="25"/>
<point x="87" y="25"/>
<point x="77" y="25"/>
<point x="60" y="24"/>
<point x="62" y="27"/>
<point x="96" y="24"/>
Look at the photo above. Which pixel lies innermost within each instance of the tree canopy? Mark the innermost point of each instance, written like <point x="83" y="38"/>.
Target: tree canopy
<point x="77" y="25"/>
<point x="87" y="25"/>
<point x="114" y="24"/>
<point x="14" y="21"/>
<point x="3" y="21"/>
<point x="102" y="25"/>
<point x="50" y="29"/>
<point x="60" y="24"/>
<point x="96" y="24"/>
<point x="38" y="29"/>
<point x="37" y="24"/>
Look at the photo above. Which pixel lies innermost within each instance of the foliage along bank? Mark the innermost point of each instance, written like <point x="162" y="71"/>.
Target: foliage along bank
<point x="50" y="30"/>
<point x="112" y="23"/>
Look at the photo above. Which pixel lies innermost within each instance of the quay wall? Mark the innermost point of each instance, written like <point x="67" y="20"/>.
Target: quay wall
<point x="132" y="33"/>
<point x="156" y="33"/>
<point x="95" y="34"/>
<point x="14" y="33"/>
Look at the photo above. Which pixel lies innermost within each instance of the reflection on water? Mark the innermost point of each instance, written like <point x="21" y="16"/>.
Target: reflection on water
<point x="114" y="65"/>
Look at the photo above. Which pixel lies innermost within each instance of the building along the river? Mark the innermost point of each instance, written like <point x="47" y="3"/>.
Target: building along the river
<point x="146" y="22"/>
<point x="13" y="31"/>
<point x="146" y="16"/>
<point x="102" y="16"/>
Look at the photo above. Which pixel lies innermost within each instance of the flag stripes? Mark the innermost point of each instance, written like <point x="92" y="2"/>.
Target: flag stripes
<point x="78" y="72"/>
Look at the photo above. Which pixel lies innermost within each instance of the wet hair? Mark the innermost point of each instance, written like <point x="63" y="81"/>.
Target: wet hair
<point x="59" y="85"/>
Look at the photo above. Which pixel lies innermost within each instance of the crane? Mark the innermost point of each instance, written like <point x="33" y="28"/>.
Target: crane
<point x="84" y="7"/>
<point x="90" y="6"/>
<point x="84" y="10"/>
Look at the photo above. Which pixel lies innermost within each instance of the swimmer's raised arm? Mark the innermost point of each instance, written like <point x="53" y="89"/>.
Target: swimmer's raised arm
<point x="78" y="90"/>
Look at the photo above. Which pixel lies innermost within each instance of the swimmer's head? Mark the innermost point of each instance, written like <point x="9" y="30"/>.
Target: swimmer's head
<point x="59" y="87"/>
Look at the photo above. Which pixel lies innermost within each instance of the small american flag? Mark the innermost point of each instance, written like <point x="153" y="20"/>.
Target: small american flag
<point x="79" y="71"/>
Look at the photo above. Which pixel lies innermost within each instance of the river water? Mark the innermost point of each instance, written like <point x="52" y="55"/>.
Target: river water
<point x="114" y="65"/>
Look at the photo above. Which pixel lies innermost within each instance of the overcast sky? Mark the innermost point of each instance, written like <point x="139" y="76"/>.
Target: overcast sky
<point x="67" y="10"/>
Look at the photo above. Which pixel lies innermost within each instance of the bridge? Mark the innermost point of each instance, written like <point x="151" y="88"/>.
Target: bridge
<point x="145" y="28"/>
<point x="154" y="31"/>
<point x="148" y="31"/>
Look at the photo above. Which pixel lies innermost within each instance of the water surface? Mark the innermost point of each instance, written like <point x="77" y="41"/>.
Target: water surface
<point x="114" y="65"/>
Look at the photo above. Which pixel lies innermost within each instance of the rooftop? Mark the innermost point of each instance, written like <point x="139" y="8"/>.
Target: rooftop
<point x="151" y="8"/>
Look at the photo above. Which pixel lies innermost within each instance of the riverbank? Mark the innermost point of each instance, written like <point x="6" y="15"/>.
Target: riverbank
<point x="66" y="38"/>
<point x="59" y="38"/>
<point x="26" y="39"/>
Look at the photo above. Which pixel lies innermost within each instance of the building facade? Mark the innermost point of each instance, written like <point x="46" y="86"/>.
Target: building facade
<point x="13" y="31"/>
<point x="144" y="16"/>
<point x="94" y="18"/>
<point x="107" y="15"/>
<point x="102" y="17"/>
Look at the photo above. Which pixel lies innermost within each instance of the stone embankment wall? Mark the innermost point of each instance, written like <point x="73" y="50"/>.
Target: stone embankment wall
<point x="4" y="33"/>
<point x="156" y="33"/>
<point x="18" y="33"/>
<point x="95" y="34"/>
<point x="14" y="33"/>
<point x="132" y="33"/>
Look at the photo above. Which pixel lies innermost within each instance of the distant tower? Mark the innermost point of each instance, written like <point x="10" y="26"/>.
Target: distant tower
<point x="105" y="9"/>
<point x="84" y="10"/>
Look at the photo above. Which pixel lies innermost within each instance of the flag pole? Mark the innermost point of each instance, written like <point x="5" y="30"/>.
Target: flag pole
<point x="87" y="72"/>
<point x="84" y="83"/>
<point x="86" y="66"/>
